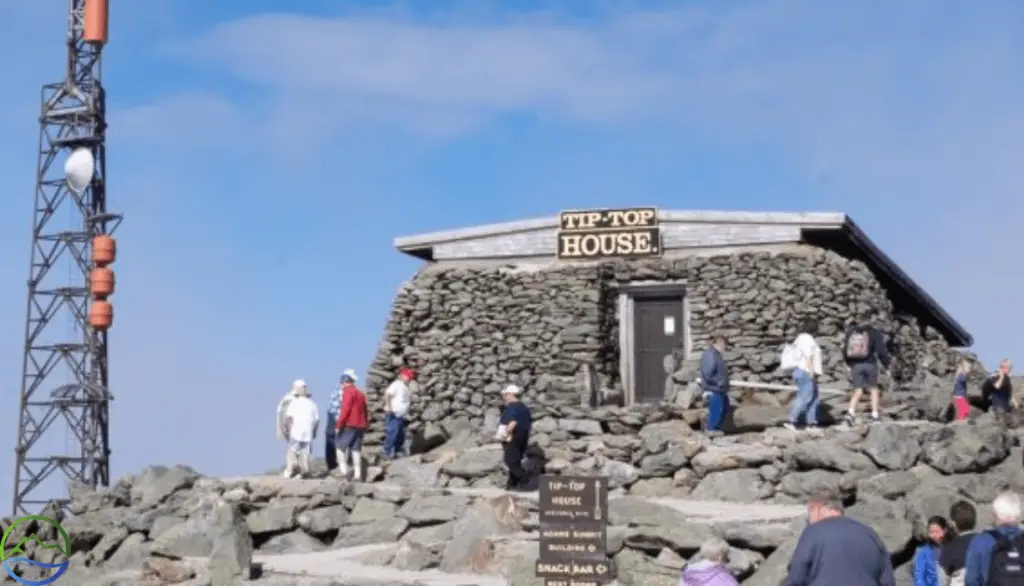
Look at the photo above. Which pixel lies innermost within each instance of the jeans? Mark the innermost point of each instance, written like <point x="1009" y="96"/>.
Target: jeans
<point x="718" y="409"/>
<point x="805" y="402"/>
<point x="394" y="434"/>
<point x="330" y="456"/>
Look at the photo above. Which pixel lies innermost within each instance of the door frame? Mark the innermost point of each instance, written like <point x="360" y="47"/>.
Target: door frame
<point x="628" y="294"/>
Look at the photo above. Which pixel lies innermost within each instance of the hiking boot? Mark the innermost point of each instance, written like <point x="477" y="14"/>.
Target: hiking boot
<point x="850" y="419"/>
<point x="790" y="426"/>
<point x="876" y="418"/>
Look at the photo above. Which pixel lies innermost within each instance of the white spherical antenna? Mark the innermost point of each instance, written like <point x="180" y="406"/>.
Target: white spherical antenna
<point x="79" y="169"/>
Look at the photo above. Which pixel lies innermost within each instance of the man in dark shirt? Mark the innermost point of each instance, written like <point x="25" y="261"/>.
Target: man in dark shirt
<point x="838" y="551"/>
<point x="998" y="390"/>
<point x="953" y="557"/>
<point x="863" y="349"/>
<point x="516" y="421"/>
<point x="714" y="379"/>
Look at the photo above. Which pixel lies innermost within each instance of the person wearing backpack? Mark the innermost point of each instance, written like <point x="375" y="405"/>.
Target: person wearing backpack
<point x="803" y="357"/>
<point x="996" y="557"/>
<point x="863" y="349"/>
<point x="953" y="556"/>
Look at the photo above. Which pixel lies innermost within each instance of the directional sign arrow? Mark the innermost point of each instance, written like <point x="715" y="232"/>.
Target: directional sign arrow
<point x="601" y="569"/>
<point x="591" y="548"/>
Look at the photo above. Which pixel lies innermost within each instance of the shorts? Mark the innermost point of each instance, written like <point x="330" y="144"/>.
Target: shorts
<point x="962" y="407"/>
<point x="350" y="440"/>
<point x="864" y="375"/>
<point x="299" y="447"/>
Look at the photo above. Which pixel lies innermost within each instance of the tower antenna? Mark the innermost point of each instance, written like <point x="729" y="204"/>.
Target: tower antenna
<point x="65" y="374"/>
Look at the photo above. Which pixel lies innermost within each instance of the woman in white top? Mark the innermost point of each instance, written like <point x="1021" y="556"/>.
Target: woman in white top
<point x="805" y="373"/>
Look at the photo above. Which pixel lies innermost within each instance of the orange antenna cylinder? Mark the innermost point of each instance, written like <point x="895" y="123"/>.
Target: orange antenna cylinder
<point x="101" y="315"/>
<point x="104" y="250"/>
<point x="95" y="21"/>
<point x="101" y="282"/>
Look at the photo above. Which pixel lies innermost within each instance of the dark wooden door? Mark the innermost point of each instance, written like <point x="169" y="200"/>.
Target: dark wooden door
<point x="658" y="331"/>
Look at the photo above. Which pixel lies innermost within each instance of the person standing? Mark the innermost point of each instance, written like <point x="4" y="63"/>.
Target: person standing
<point x="994" y="556"/>
<point x="396" y="409"/>
<point x="863" y="349"/>
<point x="282" y="408"/>
<point x="953" y="557"/>
<point x="516" y="421"/>
<point x="303" y="418"/>
<point x="961" y="406"/>
<point x="998" y="390"/>
<point x="353" y="420"/>
<point x="806" y="356"/>
<point x="833" y="545"/>
<point x="330" y="436"/>
<point x="714" y="378"/>
<point x="926" y="557"/>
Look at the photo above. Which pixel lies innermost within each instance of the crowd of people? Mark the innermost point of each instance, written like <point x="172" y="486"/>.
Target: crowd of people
<point x="349" y="416"/>
<point x="866" y="353"/>
<point x="836" y="550"/>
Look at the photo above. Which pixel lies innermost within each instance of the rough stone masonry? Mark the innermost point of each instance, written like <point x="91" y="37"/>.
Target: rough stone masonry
<point x="437" y="518"/>
<point x="471" y="330"/>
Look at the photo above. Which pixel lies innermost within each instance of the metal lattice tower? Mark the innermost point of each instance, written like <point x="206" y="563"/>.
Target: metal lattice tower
<point x="65" y="376"/>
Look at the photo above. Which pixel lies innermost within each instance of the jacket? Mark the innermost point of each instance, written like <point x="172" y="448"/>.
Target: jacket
<point x="926" y="566"/>
<point x="714" y="373"/>
<point x="353" y="413"/>
<point x="979" y="555"/>
<point x="840" y="551"/>
<point x="705" y="573"/>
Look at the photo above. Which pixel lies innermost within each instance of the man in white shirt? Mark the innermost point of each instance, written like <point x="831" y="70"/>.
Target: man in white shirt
<point x="396" y="408"/>
<point x="805" y="373"/>
<point x="303" y="417"/>
<point x="282" y="408"/>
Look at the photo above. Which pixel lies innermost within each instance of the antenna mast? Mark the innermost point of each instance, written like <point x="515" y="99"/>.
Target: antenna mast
<point x="65" y="375"/>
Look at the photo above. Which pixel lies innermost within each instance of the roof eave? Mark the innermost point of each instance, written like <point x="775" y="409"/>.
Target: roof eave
<point x="886" y="264"/>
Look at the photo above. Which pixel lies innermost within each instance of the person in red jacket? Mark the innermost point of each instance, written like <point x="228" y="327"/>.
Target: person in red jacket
<point x="352" y="423"/>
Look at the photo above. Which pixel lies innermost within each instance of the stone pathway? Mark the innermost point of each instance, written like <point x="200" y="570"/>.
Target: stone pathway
<point x="345" y="561"/>
<point x="339" y="563"/>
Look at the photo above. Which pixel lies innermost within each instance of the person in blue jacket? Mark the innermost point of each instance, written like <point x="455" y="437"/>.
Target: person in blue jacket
<point x="982" y="569"/>
<point x="714" y="378"/>
<point x="926" y="558"/>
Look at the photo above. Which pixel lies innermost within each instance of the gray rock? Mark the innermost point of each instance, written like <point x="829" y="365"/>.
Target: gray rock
<point x="892" y="446"/>
<point x="231" y="557"/>
<point x="433" y="509"/>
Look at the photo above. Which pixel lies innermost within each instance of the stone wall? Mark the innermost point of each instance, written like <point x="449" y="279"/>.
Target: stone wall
<point x="673" y="489"/>
<point x="470" y="331"/>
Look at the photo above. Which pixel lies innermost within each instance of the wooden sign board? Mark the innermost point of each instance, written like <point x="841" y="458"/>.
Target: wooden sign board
<point x="573" y="499"/>
<point x="622" y="233"/>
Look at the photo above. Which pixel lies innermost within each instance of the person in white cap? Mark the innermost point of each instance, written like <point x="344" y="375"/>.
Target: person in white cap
<point x="282" y="407"/>
<point x="516" y="421"/>
<point x="303" y="417"/>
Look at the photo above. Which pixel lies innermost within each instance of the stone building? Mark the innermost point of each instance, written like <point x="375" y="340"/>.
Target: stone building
<point x="615" y="305"/>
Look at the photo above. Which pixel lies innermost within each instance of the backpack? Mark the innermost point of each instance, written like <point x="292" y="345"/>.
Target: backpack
<point x="858" y="345"/>
<point x="790" y="358"/>
<point x="1007" y="566"/>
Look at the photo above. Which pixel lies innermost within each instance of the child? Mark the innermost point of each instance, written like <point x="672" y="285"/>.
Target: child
<point x="926" y="558"/>
<point x="961" y="406"/>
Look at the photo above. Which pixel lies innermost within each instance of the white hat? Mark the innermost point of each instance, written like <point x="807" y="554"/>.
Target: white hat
<point x="511" y="390"/>
<point x="351" y="374"/>
<point x="298" y="384"/>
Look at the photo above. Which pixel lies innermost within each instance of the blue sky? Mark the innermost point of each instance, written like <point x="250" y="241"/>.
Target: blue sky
<point x="265" y="161"/>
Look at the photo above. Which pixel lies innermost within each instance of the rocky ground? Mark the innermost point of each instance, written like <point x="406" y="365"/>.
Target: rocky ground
<point x="437" y="519"/>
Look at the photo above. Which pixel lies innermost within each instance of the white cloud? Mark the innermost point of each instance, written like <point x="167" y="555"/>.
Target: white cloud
<point x="910" y="117"/>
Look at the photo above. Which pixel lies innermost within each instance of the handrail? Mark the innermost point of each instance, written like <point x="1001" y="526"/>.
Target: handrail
<point x="780" y="387"/>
